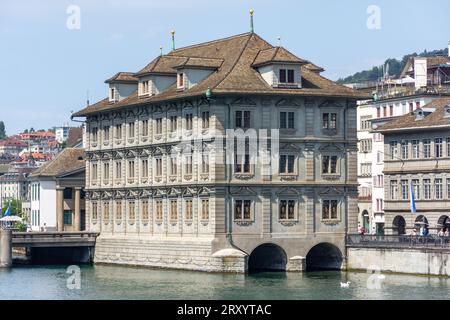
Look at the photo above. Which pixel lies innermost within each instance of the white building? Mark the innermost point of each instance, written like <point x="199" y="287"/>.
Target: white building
<point x="62" y="133"/>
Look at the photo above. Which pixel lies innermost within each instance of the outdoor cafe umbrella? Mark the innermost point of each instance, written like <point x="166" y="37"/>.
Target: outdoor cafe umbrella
<point x="11" y="219"/>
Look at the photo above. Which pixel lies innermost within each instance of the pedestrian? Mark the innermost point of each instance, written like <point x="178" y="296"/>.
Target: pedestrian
<point x="45" y="227"/>
<point x="441" y="233"/>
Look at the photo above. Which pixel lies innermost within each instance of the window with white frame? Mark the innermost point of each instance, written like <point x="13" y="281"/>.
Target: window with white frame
<point x="159" y="210"/>
<point x="415" y="149"/>
<point x="188" y="209"/>
<point x="405" y="149"/>
<point x="242" y="209"/>
<point x="379" y="203"/>
<point x="365" y="145"/>
<point x="180" y="80"/>
<point x="416" y="188"/>
<point x="287" y="164"/>
<point x="427" y="189"/>
<point x="438" y="188"/>
<point x="329" y="209"/>
<point x="173" y="123"/>
<point x="144" y="124"/>
<point x="145" y="210"/>
<point x="94" y="210"/>
<point x="130" y="168"/>
<point x="158" y="167"/>
<point x="427" y="148"/>
<point x="365" y="123"/>
<point x="286" y="210"/>
<point x="131" y="130"/>
<point x="448" y="147"/>
<point x="329" y="164"/>
<point x="131" y="211"/>
<point x="173" y="165"/>
<point x="438" y="147"/>
<point x="329" y="121"/>
<point x="405" y="189"/>
<point x="119" y="131"/>
<point x="242" y="119"/>
<point x="118" y="169"/>
<point x="189" y="117"/>
<point x="380" y="156"/>
<point x="106" y="211"/>
<point x="158" y="126"/>
<point x="287" y="120"/>
<point x="188" y="164"/>
<point x="393" y="189"/>
<point x="94" y="171"/>
<point x="106" y="171"/>
<point x="106" y="133"/>
<point x="173" y="210"/>
<point x="448" y="188"/>
<point x="393" y="150"/>
<point x="205" y="163"/>
<point x="118" y="210"/>
<point x="144" y="168"/>
<point x="94" y="134"/>
<point x="112" y="94"/>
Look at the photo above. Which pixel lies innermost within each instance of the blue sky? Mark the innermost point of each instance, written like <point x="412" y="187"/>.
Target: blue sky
<point x="46" y="68"/>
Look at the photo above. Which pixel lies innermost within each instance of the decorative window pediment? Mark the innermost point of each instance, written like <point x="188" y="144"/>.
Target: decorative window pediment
<point x="243" y="102"/>
<point x="330" y="191"/>
<point x="288" y="103"/>
<point x="288" y="191"/>
<point x="243" y="191"/>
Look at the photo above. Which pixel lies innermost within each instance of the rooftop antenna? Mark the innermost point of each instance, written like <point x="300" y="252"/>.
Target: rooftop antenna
<point x="173" y="39"/>
<point x="252" y="29"/>
<point x="161" y="49"/>
<point x="87" y="98"/>
<point x="279" y="41"/>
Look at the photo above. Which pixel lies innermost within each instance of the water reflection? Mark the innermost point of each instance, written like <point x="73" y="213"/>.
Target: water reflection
<point x="113" y="282"/>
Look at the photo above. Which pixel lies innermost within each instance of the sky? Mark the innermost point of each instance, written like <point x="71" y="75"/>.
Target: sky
<point x="52" y="55"/>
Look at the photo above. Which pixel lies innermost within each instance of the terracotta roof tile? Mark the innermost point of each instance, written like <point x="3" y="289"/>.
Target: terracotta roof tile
<point x="123" y="77"/>
<point x="70" y="159"/>
<point x="277" y="55"/>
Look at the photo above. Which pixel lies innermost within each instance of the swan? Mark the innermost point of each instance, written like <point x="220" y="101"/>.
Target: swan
<point x="345" y="284"/>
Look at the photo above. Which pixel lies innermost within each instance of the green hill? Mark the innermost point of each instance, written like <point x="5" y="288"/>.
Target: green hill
<point x="395" y="67"/>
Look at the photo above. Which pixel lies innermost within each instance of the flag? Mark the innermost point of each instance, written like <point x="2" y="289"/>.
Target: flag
<point x="8" y="211"/>
<point x="412" y="201"/>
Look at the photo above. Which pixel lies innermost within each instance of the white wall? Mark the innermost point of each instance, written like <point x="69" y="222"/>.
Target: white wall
<point x="45" y="204"/>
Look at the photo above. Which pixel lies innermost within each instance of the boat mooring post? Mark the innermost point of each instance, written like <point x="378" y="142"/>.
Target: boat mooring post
<point x="5" y="248"/>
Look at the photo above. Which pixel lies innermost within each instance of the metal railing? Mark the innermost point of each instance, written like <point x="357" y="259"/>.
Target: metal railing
<point x="398" y="241"/>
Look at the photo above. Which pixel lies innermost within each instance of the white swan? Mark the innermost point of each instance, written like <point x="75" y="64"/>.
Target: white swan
<point x="345" y="284"/>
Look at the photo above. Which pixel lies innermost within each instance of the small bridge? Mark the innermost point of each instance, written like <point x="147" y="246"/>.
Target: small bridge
<point x="48" y="247"/>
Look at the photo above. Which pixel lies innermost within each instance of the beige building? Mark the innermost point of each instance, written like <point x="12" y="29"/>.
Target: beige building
<point x="417" y="156"/>
<point x="165" y="189"/>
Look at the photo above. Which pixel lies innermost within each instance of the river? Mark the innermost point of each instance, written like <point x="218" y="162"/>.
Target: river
<point x="117" y="282"/>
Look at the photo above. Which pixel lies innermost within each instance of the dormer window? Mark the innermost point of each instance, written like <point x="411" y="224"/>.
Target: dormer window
<point x="180" y="80"/>
<point x="419" y="114"/>
<point x="145" y="87"/>
<point x="447" y="111"/>
<point x="287" y="76"/>
<point x="112" y="94"/>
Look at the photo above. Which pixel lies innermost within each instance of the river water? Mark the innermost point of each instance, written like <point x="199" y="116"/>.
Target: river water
<point x="116" y="282"/>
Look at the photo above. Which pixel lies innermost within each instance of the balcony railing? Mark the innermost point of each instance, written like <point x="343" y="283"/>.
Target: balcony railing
<point x="395" y="92"/>
<point x="398" y="241"/>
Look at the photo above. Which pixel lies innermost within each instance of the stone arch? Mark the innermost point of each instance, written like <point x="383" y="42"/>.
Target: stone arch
<point x="267" y="257"/>
<point x="399" y="225"/>
<point x="444" y="222"/>
<point x="324" y="256"/>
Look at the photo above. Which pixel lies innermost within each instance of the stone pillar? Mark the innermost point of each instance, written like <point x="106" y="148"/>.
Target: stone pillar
<point x="296" y="264"/>
<point x="77" y="213"/>
<point x="60" y="208"/>
<point x="5" y="248"/>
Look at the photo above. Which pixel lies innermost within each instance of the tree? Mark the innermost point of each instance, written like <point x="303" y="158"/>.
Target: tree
<point x="25" y="131"/>
<point x="2" y="130"/>
<point x="16" y="210"/>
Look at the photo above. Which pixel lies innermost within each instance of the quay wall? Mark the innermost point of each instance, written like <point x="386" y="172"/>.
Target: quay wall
<point x="422" y="261"/>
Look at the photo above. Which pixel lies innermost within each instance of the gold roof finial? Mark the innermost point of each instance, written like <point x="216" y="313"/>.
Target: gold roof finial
<point x="252" y="29"/>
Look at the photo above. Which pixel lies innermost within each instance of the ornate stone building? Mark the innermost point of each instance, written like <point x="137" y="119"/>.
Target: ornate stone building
<point x="417" y="155"/>
<point x="211" y="208"/>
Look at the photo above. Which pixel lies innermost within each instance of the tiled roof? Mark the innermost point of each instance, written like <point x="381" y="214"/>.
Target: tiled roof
<point x="408" y="121"/>
<point x="276" y="54"/>
<point x="207" y="63"/>
<point x="123" y="77"/>
<point x="236" y="75"/>
<point x="69" y="160"/>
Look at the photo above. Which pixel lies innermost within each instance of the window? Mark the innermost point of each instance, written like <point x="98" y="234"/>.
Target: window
<point x="405" y="189"/>
<point x="189" y="121"/>
<point x="417" y="104"/>
<point x="205" y="119"/>
<point x="393" y="150"/>
<point x="106" y="133"/>
<point x="329" y="164"/>
<point x="130" y="168"/>
<point x="242" y="119"/>
<point x="118" y="170"/>
<point x="180" y="80"/>
<point x="411" y="107"/>
<point x="131" y="130"/>
<point x="287" y="210"/>
<point x="144" y="87"/>
<point x="426" y="189"/>
<point x="385" y="111"/>
<point x="427" y="148"/>
<point x="287" y="163"/>
<point x="67" y="193"/>
<point x="144" y="128"/>
<point x="378" y="112"/>
<point x="380" y="156"/>
<point x="94" y="171"/>
<point x="106" y="172"/>
<point x="118" y="131"/>
<point x="205" y="163"/>
<point x="416" y="189"/>
<point x="329" y="209"/>
<point x="379" y="205"/>
<point x="366" y="169"/>
<point x="287" y="120"/>
<point x="144" y="167"/>
<point x="329" y="121"/>
<point x="159" y="210"/>
<point x="94" y="134"/>
<point x="438" y="189"/>
<point x="106" y="211"/>
<point x="173" y="210"/>
<point x="68" y="217"/>
<point x="438" y="148"/>
<point x="173" y="166"/>
<point x="242" y="163"/>
<point x="158" y="166"/>
<point x="119" y="210"/>
<point x="173" y="123"/>
<point x="145" y="213"/>
<point x="188" y="209"/>
<point x="391" y="111"/>
<point x="291" y="76"/>
<point x="131" y="211"/>
<point x="365" y="122"/>
<point x="159" y="126"/>
<point x="205" y="209"/>
<point x="94" y="211"/>
<point x="282" y="75"/>
<point x="393" y="189"/>
<point x="405" y="149"/>
<point x="448" y="147"/>
<point x="112" y="94"/>
<point x="188" y="165"/>
<point x="415" y="149"/>
<point x="365" y="145"/>
<point x="448" y="188"/>
<point x="378" y="181"/>
<point x="242" y="210"/>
